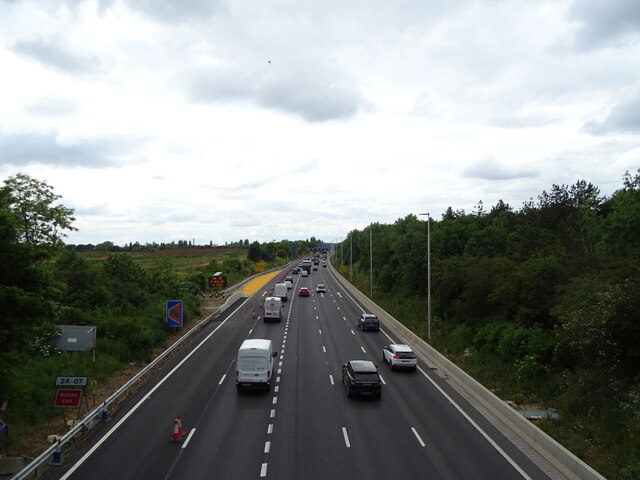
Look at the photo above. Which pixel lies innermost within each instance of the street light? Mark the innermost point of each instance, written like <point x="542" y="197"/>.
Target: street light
<point x="428" y="274"/>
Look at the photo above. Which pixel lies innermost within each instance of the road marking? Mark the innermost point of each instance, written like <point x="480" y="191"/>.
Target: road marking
<point x="382" y="380"/>
<point x="137" y="405"/>
<point x="280" y="363"/>
<point x="415" y="432"/>
<point x="339" y="294"/>
<point x="250" y="332"/>
<point x="346" y="437"/>
<point x="344" y="318"/>
<point x="320" y="331"/>
<point x="222" y="379"/>
<point x="279" y="371"/>
<point x="275" y="400"/>
<point x="363" y="349"/>
<point x="267" y="446"/>
<point x="277" y="379"/>
<point x="324" y="349"/>
<point x="273" y="413"/>
<point x="352" y="332"/>
<point x="276" y="389"/>
<point x="186" y="442"/>
<point x="270" y="429"/>
<point x="477" y="427"/>
<point x="263" y="470"/>
<point x="331" y="378"/>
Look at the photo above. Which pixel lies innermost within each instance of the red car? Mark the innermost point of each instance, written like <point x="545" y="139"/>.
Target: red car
<point x="304" y="292"/>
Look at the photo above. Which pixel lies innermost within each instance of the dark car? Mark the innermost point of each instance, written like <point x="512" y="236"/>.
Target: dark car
<point x="368" y="321"/>
<point x="295" y="270"/>
<point x="360" y="377"/>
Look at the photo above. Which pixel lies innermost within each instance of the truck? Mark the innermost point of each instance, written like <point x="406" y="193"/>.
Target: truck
<point x="272" y="309"/>
<point x="306" y="265"/>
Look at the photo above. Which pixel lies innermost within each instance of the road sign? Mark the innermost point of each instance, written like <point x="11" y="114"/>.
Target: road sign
<point x="217" y="281"/>
<point x="71" y="381"/>
<point x="68" y="397"/>
<point x="174" y="313"/>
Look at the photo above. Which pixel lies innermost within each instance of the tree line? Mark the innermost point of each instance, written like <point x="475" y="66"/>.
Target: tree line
<point x="541" y="303"/>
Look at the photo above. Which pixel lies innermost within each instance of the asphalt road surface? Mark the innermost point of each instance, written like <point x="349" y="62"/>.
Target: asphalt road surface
<point x="305" y="427"/>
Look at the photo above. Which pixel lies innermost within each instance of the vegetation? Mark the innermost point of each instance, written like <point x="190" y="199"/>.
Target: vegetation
<point x="120" y="290"/>
<point x="541" y="305"/>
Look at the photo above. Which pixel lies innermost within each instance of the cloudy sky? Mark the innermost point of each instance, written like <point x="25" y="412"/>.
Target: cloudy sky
<point x="220" y="120"/>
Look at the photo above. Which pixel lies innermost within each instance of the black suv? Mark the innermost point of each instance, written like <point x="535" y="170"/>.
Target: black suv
<point x="361" y="377"/>
<point x="368" y="321"/>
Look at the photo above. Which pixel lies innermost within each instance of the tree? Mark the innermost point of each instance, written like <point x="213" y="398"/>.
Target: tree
<point x="38" y="220"/>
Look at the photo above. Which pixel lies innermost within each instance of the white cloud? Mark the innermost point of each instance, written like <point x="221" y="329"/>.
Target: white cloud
<point x="161" y="120"/>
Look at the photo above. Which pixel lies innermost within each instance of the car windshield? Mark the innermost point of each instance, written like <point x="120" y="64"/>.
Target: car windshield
<point x="368" y="377"/>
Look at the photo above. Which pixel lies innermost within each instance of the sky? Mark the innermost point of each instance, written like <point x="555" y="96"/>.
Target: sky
<point x="215" y="121"/>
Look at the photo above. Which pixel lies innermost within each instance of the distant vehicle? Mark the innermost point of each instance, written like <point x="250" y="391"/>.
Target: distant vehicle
<point x="368" y="321"/>
<point x="304" y="273"/>
<point x="280" y="290"/>
<point x="324" y="264"/>
<point x="254" y="365"/>
<point x="315" y="269"/>
<point x="306" y="265"/>
<point x="398" y="355"/>
<point x="320" y="288"/>
<point x="360" y="377"/>
<point x="289" y="277"/>
<point x="272" y="309"/>
<point x="295" y="270"/>
<point x="288" y="284"/>
<point x="304" y="292"/>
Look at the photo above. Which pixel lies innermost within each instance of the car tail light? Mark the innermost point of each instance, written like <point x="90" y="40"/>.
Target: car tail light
<point x="396" y="357"/>
<point x="413" y="357"/>
<point x="269" y="374"/>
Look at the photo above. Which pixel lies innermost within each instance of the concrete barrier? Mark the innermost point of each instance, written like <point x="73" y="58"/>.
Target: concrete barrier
<point x="561" y="459"/>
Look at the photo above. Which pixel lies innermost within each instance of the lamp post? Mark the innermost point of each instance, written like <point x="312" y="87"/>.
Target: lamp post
<point x="428" y="274"/>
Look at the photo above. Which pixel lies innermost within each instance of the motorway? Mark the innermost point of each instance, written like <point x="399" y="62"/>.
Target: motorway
<point x="305" y="427"/>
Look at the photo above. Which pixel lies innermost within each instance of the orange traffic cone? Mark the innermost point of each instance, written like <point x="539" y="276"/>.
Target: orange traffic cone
<point x="175" y="436"/>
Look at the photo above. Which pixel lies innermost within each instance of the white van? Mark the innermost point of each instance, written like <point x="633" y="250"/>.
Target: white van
<point x="272" y="309"/>
<point x="281" y="290"/>
<point x="254" y="365"/>
<point x="304" y="273"/>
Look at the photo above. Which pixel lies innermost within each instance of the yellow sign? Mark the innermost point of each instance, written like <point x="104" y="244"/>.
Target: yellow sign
<point x="260" y="266"/>
<point x="342" y="269"/>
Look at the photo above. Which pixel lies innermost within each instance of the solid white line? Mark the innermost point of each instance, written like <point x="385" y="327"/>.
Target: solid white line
<point x="477" y="427"/>
<point x="331" y="378"/>
<point x="186" y="442"/>
<point x="137" y="405"/>
<point x="415" y="432"/>
<point x="267" y="446"/>
<point x="263" y="470"/>
<point x="222" y="379"/>
<point x="346" y="437"/>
